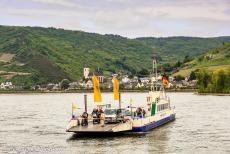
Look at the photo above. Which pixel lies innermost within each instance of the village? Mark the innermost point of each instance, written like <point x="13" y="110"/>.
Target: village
<point x="127" y="82"/>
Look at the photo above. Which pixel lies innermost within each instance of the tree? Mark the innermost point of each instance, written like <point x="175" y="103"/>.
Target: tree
<point x="64" y="84"/>
<point x="187" y="59"/>
<point x="143" y="72"/>
<point x="178" y="64"/>
<point x="192" y="76"/>
<point x="204" y="80"/>
<point x="221" y="80"/>
<point x="179" y="78"/>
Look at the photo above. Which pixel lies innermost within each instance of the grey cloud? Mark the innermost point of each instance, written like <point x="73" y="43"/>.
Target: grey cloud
<point x="132" y="18"/>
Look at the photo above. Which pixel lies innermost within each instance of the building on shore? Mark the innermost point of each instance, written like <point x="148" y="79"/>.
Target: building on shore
<point x="7" y="85"/>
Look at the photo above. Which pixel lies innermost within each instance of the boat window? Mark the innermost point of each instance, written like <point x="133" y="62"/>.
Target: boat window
<point x="162" y="107"/>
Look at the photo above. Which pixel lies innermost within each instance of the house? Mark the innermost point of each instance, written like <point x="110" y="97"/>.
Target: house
<point x="178" y="84"/>
<point x="89" y="84"/>
<point x="139" y="85"/>
<point x="73" y="85"/>
<point x="171" y="78"/>
<point x="134" y="80"/>
<point x="56" y="87"/>
<point x="81" y="84"/>
<point x="125" y="80"/>
<point x="193" y="83"/>
<point x="128" y="86"/>
<point x="144" y="80"/>
<point x="185" y="83"/>
<point x="109" y="83"/>
<point x="97" y="73"/>
<point x="7" y="85"/>
<point x="50" y="86"/>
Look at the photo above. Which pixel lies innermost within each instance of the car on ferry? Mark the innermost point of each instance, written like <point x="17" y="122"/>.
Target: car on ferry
<point x="116" y="115"/>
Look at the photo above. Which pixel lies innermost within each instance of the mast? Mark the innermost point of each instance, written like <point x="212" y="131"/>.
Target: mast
<point x="154" y="73"/>
<point x="154" y="58"/>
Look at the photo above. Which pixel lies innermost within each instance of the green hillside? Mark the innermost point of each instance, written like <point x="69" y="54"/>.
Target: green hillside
<point x="212" y="60"/>
<point x="174" y="48"/>
<point x="40" y="55"/>
<point x="54" y="54"/>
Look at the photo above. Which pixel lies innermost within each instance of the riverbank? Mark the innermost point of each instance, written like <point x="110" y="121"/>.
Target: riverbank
<point x="215" y="94"/>
<point x="105" y="91"/>
<point x="87" y="91"/>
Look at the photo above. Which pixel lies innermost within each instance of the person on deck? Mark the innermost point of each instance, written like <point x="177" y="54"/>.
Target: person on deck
<point x="102" y="119"/>
<point x="95" y="116"/>
<point x="84" y="121"/>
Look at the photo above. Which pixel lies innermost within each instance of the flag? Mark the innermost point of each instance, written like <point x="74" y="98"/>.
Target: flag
<point x="131" y="101"/>
<point x="74" y="106"/>
<point x="165" y="81"/>
<point x="116" y="88"/>
<point x="96" y="90"/>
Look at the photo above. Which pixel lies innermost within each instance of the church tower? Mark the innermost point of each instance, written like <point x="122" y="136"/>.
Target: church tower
<point x="86" y="72"/>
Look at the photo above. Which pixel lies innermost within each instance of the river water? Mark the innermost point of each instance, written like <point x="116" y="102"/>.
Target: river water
<point x="35" y="123"/>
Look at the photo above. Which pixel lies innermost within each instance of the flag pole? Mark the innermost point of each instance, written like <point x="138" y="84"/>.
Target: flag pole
<point x="72" y="110"/>
<point x="85" y="101"/>
<point x="119" y="100"/>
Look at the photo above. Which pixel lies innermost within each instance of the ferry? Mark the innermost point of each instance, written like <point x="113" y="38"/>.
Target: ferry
<point x="159" y="110"/>
<point x="130" y="119"/>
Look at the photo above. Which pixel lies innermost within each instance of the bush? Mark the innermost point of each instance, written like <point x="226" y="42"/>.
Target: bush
<point x="65" y="84"/>
<point x="192" y="76"/>
<point x="209" y="82"/>
<point x="179" y="78"/>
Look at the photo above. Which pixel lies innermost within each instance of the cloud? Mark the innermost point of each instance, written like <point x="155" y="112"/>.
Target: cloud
<point x="131" y="18"/>
<point x="56" y="2"/>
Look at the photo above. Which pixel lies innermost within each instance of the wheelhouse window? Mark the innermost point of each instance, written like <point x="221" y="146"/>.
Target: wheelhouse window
<point x="162" y="107"/>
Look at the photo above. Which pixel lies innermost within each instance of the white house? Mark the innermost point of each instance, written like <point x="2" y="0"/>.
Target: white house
<point x="7" y="85"/>
<point x="73" y="85"/>
<point x="144" y="80"/>
<point x="89" y="84"/>
<point x="139" y="85"/>
<point x="125" y="79"/>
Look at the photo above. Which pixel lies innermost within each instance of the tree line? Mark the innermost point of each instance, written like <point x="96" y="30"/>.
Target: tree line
<point x="213" y="82"/>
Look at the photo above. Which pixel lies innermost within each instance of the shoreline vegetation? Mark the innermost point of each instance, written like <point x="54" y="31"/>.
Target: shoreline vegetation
<point x="195" y="91"/>
<point x="213" y="82"/>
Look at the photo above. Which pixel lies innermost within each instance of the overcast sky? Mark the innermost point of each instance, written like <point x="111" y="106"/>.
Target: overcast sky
<point x="129" y="18"/>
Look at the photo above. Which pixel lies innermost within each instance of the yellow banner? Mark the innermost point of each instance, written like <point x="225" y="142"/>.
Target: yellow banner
<point x="96" y="89"/>
<point x="115" y="88"/>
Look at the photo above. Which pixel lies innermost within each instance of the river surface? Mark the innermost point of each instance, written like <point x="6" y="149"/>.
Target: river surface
<point x="35" y="123"/>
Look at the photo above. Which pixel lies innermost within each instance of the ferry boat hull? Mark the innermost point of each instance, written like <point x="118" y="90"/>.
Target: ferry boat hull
<point x="154" y="124"/>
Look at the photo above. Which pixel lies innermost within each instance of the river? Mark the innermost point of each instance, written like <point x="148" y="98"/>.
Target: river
<point x="35" y="123"/>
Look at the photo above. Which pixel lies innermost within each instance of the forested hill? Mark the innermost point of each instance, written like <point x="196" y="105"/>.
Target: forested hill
<point x="41" y="55"/>
<point x="213" y="61"/>
<point x="174" y="48"/>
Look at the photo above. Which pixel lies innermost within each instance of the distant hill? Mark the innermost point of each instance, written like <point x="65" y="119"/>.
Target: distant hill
<point x="42" y="55"/>
<point x="176" y="48"/>
<point x="212" y="60"/>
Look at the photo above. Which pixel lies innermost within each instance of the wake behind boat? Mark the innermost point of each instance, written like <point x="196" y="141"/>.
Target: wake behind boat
<point x="106" y="119"/>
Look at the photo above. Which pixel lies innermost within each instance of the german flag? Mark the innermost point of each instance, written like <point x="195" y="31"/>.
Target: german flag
<point x="165" y="81"/>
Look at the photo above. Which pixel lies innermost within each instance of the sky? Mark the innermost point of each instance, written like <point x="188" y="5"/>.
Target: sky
<point x="128" y="18"/>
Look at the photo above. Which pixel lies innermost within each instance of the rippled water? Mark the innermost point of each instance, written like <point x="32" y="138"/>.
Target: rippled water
<point x="35" y="123"/>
